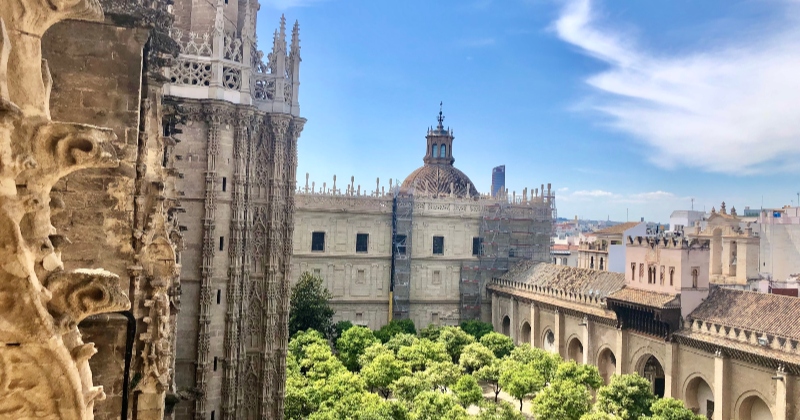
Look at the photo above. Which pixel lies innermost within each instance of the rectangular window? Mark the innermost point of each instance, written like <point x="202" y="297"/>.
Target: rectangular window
<point x="219" y="296"/>
<point x="437" y="277"/>
<point x="318" y="241"/>
<point x="400" y="244"/>
<point x="435" y="318"/>
<point x="224" y="183"/>
<point x="215" y="364"/>
<point x="221" y="243"/>
<point x="212" y="414"/>
<point x="671" y="275"/>
<point x="476" y="246"/>
<point x="317" y="271"/>
<point x="438" y="245"/>
<point x="633" y="271"/>
<point x="359" y="316"/>
<point x="362" y="242"/>
<point x="361" y="277"/>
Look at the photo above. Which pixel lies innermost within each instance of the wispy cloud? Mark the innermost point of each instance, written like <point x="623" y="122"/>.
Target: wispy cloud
<point x="729" y="109"/>
<point x="592" y="194"/>
<point x="288" y="4"/>
<point x="649" y="197"/>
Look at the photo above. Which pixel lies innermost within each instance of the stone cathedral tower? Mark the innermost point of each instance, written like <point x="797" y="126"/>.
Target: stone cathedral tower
<point x="235" y="113"/>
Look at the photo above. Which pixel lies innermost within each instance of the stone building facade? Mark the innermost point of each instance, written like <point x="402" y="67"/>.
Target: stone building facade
<point x="422" y="250"/>
<point x="729" y="354"/>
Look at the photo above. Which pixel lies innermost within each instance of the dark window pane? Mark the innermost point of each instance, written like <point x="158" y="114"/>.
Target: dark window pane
<point x="438" y="245"/>
<point x="476" y="246"/>
<point x="362" y="242"/>
<point x="318" y="241"/>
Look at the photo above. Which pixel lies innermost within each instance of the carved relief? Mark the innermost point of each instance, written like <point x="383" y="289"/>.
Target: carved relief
<point x="43" y="360"/>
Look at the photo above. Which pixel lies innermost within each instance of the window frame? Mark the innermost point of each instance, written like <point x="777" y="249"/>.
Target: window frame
<point x="477" y="240"/>
<point x="441" y="245"/>
<point x="366" y="243"/>
<point x="314" y="242"/>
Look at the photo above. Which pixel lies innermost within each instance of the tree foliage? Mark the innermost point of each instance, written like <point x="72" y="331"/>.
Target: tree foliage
<point x="491" y="375"/>
<point x="443" y="375"/>
<point x="383" y="371"/>
<point x="499" y="344"/>
<point x="562" y="400"/>
<point x="303" y="339"/>
<point x="475" y="356"/>
<point x="352" y="344"/>
<point x="628" y="397"/>
<point x="422" y="353"/>
<point x="477" y="328"/>
<point x="454" y="340"/>
<point x="431" y="405"/>
<point x="401" y="326"/>
<point x="468" y="391"/>
<point x="599" y="416"/>
<point x="408" y="387"/>
<point x="431" y="332"/>
<point x="520" y="380"/>
<point x="671" y="409"/>
<point x="542" y="361"/>
<point x="340" y="327"/>
<point x="499" y="411"/>
<point x="309" y="306"/>
<point x="587" y="375"/>
<point x="401" y="340"/>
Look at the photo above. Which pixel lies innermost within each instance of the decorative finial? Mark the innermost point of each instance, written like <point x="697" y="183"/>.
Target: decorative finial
<point x="441" y="115"/>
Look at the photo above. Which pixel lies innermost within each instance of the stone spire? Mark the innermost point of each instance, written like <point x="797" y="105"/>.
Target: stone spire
<point x="294" y="67"/>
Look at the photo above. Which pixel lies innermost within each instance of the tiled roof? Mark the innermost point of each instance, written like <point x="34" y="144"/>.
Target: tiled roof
<point x="728" y="345"/>
<point x="552" y="300"/>
<point x="759" y="312"/>
<point x="647" y="298"/>
<point x="617" y="229"/>
<point x="567" y="279"/>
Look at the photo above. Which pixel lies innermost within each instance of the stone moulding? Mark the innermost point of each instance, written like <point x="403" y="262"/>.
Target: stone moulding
<point x="44" y="370"/>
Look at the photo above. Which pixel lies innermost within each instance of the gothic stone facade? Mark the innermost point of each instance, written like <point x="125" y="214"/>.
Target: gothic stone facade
<point x="729" y="354"/>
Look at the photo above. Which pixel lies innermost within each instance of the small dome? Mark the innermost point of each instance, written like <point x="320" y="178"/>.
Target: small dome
<point x="437" y="180"/>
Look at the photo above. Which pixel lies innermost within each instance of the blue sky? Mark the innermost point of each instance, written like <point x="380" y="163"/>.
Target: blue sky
<point x="626" y="107"/>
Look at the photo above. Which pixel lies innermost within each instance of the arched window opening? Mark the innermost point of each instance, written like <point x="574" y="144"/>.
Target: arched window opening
<point x="525" y="334"/>
<point x="607" y="365"/>
<point x="699" y="397"/>
<point x="549" y="342"/>
<point x="443" y="153"/>
<point x="694" y="278"/>
<point x="601" y="263"/>
<point x="654" y="372"/>
<point x="633" y="271"/>
<point x="575" y="350"/>
<point x="507" y="326"/>
<point x="754" y="408"/>
<point x="435" y="151"/>
<point x="591" y="262"/>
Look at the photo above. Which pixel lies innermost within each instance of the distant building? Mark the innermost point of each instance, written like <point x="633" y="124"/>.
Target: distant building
<point x="498" y="179"/>
<point x="779" y="231"/>
<point x="682" y="219"/>
<point x="604" y="250"/>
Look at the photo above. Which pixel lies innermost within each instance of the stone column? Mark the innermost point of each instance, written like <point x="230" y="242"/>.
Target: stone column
<point x="781" y="384"/>
<point x="670" y="370"/>
<point x="586" y="339"/>
<point x="621" y="351"/>
<point x="559" y="333"/>
<point x="495" y="312"/>
<point x="722" y="403"/>
<point x="535" y="327"/>
<point x="512" y="313"/>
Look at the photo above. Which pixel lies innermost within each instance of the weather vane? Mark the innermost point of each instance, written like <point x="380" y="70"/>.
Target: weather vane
<point x="441" y="117"/>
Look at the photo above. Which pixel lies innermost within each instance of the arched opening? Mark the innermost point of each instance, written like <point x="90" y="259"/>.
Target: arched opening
<point x="732" y="259"/>
<point x="549" y="341"/>
<point x="601" y="263"/>
<point x="716" y="251"/>
<point x="507" y="326"/>
<point x="575" y="350"/>
<point x="754" y="408"/>
<point x="699" y="397"/>
<point x="435" y="151"/>
<point x="564" y="261"/>
<point x="607" y="365"/>
<point x="591" y="262"/>
<point x="525" y="333"/>
<point x="444" y="151"/>
<point x="650" y="368"/>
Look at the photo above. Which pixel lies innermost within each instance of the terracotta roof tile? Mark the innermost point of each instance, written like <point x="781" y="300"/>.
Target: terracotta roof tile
<point x="759" y="312"/>
<point x="647" y="298"/>
<point x="567" y="279"/>
<point x="726" y="343"/>
<point x="586" y="308"/>
<point x="617" y="229"/>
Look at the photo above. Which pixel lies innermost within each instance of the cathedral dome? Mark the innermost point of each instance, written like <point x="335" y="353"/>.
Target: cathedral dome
<point x="438" y="180"/>
<point x="438" y="177"/>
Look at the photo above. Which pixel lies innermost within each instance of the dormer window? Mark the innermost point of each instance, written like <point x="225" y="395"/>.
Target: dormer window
<point x="444" y="151"/>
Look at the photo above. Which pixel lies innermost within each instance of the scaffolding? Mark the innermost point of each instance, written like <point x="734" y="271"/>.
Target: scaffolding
<point x="402" y="229"/>
<point x="509" y="233"/>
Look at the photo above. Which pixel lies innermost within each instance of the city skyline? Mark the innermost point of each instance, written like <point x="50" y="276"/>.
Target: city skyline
<point x="626" y="109"/>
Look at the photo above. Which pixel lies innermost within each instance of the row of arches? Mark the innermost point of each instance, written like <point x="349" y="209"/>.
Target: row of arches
<point x="697" y="393"/>
<point x="437" y="151"/>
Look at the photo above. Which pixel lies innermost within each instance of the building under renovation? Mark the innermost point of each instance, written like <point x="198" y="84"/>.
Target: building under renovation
<point x="423" y="249"/>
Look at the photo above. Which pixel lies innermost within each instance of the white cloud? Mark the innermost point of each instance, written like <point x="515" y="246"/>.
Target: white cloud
<point x="592" y="193"/>
<point x="729" y="109"/>
<point x="611" y="197"/>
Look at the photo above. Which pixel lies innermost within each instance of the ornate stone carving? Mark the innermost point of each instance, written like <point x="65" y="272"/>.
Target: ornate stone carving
<point x="43" y="361"/>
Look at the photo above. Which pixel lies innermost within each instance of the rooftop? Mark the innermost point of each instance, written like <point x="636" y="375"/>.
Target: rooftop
<point x="617" y="229"/>
<point x="760" y="312"/>
<point x="582" y="281"/>
<point x="647" y="298"/>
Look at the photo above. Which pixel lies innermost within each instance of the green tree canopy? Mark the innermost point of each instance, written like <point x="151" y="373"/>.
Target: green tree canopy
<point x="491" y="374"/>
<point x="422" y="353"/>
<point x="499" y="344"/>
<point x="383" y="371"/>
<point x="443" y="375"/>
<point x="499" y="411"/>
<point x="520" y="380"/>
<point x="352" y="344"/>
<point x="562" y="400"/>
<point x="303" y="339"/>
<point x="671" y="409"/>
<point x="586" y="375"/>
<point x="401" y="340"/>
<point x="431" y="405"/>
<point x="599" y="416"/>
<point x="545" y="362"/>
<point x="319" y="362"/>
<point x="325" y="393"/>
<point x="476" y="328"/>
<point x="309" y="306"/>
<point x="362" y="406"/>
<point x="454" y="339"/>
<point x="431" y="332"/>
<point x="475" y="356"/>
<point x="627" y="396"/>
<point x="407" y="388"/>
<point x="397" y="326"/>
<point x="468" y="391"/>
<point x="340" y="327"/>
<point x="371" y="352"/>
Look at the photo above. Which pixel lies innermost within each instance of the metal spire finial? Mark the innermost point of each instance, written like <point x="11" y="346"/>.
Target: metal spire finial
<point x="441" y="116"/>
